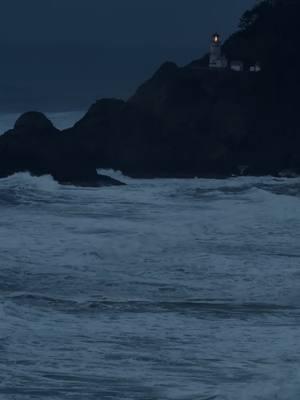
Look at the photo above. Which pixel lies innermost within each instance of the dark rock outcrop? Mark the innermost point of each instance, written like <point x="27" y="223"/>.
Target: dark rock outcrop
<point x="35" y="145"/>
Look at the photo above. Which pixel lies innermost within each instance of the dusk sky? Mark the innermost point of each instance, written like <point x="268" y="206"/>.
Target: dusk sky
<point x="69" y="52"/>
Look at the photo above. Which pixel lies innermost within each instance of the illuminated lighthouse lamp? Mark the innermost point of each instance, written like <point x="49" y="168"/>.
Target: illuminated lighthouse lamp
<point x="216" y="38"/>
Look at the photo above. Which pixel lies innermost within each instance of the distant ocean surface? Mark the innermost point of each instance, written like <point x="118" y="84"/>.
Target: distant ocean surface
<point x="158" y="290"/>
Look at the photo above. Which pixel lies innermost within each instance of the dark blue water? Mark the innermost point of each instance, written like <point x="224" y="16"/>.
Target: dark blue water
<point x="161" y="289"/>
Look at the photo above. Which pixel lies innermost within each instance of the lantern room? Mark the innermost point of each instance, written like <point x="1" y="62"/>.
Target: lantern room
<point x="216" y="38"/>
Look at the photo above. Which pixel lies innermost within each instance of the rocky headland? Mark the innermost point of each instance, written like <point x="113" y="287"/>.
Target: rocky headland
<point x="184" y="121"/>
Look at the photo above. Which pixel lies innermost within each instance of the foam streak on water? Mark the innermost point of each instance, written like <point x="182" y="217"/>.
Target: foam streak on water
<point x="162" y="289"/>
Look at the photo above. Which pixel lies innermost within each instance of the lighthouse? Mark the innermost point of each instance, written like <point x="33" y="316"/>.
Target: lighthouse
<point x="216" y="59"/>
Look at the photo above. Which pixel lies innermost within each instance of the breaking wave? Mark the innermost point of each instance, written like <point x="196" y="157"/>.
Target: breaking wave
<point x="173" y="289"/>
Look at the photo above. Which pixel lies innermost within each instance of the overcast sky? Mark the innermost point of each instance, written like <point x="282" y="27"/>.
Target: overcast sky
<point x="104" y="46"/>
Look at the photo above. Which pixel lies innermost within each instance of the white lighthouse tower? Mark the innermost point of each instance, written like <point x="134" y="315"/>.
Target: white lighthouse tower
<point x="216" y="59"/>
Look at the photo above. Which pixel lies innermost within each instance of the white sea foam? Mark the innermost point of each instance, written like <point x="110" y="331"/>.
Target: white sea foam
<point x="115" y="174"/>
<point x="174" y="289"/>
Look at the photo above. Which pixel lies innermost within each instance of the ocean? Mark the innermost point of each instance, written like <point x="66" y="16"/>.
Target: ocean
<point x="161" y="289"/>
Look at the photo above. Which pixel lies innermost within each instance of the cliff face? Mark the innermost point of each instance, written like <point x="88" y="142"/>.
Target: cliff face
<point x="195" y="121"/>
<point x="204" y="114"/>
<point x="181" y="122"/>
<point x="270" y="34"/>
<point x="187" y="122"/>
